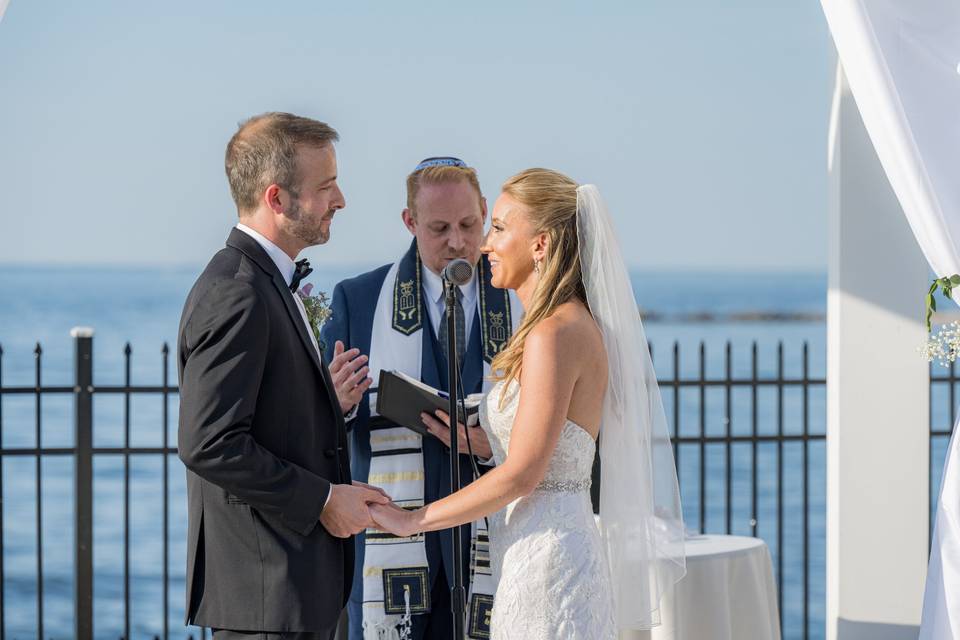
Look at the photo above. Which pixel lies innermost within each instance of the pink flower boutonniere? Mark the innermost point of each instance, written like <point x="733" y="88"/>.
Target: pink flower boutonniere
<point x="318" y="310"/>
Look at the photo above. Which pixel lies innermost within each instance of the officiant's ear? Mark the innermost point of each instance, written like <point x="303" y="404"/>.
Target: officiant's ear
<point x="409" y="221"/>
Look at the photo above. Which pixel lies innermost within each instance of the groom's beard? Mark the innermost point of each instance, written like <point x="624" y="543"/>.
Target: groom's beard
<point x="311" y="230"/>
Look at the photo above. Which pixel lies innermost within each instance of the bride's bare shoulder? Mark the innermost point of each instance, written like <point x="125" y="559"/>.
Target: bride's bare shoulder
<point x="569" y="329"/>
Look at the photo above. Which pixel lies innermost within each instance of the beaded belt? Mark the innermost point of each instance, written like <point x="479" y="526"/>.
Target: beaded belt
<point x="564" y="486"/>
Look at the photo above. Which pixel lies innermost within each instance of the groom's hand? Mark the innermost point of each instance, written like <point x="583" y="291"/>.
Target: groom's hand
<point x="439" y="426"/>
<point x="349" y="372"/>
<point x="347" y="511"/>
<point x="357" y="483"/>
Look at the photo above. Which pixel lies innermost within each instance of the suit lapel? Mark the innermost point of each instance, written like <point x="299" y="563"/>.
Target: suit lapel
<point x="297" y="320"/>
<point x="307" y="343"/>
<point x="252" y="249"/>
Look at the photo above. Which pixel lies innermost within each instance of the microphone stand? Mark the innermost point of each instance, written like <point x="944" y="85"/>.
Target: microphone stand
<point x="457" y="591"/>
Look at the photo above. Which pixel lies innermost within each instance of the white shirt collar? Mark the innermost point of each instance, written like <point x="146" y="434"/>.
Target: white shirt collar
<point x="278" y="255"/>
<point x="433" y="287"/>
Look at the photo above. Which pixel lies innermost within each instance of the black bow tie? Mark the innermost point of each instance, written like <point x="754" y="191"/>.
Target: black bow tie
<point x="302" y="271"/>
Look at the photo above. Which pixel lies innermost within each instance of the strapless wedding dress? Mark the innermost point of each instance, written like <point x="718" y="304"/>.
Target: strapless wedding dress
<point x="552" y="577"/>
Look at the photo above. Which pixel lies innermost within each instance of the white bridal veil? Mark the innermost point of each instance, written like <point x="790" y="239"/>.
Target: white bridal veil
<point x="640" y="518"/>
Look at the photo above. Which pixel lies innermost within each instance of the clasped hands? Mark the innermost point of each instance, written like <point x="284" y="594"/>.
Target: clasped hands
<point x="358" y="506"/>
<point x="355" y="507"/>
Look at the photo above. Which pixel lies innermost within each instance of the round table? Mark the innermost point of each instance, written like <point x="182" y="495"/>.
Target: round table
<point x="728" y="594"/>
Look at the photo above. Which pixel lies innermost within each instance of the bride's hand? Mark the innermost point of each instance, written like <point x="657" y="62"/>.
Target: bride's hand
<point x="393" y="519"/>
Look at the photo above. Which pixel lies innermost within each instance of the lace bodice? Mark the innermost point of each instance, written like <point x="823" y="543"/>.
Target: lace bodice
<point x="572" y="461"/>
<point x="552" y="576"/>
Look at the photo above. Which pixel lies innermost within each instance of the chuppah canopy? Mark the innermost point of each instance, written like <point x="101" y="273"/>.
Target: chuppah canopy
<point x="901" y="59"/>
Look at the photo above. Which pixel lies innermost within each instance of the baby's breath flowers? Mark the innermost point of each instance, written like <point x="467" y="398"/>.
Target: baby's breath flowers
<point x="944" y="346"/>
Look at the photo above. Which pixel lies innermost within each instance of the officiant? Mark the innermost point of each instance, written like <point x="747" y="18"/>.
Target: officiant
<point x="396" y="314"/>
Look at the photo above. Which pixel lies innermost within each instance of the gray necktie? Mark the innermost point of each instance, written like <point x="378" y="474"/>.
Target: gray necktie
<point x="461" y="330"/>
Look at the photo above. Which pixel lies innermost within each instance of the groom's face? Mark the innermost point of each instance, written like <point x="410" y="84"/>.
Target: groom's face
<point x="316" y="198"/>
<point x="448" y="223"/>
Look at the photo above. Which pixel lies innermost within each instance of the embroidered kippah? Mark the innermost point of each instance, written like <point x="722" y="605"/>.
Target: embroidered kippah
<point x="440" y="161"/>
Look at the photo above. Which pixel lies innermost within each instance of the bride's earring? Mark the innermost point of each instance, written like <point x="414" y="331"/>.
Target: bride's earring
<point x="536" y="267"/>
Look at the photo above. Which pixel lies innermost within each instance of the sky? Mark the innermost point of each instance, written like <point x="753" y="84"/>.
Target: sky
<point x="703" y="123"/>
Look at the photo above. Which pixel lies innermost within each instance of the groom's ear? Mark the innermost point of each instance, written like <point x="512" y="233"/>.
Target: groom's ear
<point x="273" y="198"/>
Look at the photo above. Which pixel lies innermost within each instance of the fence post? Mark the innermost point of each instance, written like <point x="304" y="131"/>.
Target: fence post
<point x="83" y="482"/>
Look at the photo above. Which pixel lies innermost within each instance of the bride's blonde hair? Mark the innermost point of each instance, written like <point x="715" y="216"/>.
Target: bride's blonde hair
<point x="549" y="199"/>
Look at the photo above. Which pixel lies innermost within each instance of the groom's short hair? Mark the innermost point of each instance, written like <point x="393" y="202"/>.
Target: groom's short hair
<point x="263" y="151"/>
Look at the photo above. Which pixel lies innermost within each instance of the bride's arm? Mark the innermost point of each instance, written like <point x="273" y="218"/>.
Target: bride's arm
<point x="547" y="381"/>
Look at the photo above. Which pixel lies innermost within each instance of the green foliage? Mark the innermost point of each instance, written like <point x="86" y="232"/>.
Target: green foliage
<point x="946" y="285"/>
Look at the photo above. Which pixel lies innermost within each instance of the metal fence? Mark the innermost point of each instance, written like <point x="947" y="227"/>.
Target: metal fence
<point x="767" y="431"/>
<point x="83" y="453"/>
<point x="734" y="453"/>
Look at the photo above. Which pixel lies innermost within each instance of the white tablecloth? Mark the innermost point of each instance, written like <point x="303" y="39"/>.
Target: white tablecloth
<point x="728" y="594"/>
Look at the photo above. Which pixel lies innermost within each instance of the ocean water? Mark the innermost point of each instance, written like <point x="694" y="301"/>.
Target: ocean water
<point x="141" y="306"/>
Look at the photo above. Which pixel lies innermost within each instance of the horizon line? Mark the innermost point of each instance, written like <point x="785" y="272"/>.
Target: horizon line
<point x="366" y="266"/>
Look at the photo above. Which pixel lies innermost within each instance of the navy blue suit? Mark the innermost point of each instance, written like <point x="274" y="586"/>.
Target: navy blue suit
<point x="353" y="306"/>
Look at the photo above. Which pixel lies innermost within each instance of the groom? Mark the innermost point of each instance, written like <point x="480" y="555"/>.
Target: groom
<point x="271" y="506"/>
<point x="396" y="314"/>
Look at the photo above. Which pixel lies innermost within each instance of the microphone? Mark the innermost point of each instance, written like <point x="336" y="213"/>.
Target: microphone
<point x="458" y="272"/>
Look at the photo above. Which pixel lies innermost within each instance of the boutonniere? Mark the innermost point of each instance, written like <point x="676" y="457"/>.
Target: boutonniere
<point x="317" y="308"/>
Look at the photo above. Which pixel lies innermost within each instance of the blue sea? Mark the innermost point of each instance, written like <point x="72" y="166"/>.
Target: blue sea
<point x="141" y="306"/>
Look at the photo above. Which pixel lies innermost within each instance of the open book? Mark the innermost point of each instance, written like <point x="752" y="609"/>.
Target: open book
<point x="401" y="399"/>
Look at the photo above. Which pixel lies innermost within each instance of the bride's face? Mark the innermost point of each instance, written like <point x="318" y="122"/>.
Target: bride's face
<point x="509" y="244"/>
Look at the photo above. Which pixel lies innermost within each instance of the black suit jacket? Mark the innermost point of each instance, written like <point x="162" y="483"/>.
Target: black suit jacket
<point x="262" y="437"/>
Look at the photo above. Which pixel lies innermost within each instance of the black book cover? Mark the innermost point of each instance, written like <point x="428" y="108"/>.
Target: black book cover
<point x="401" y="399"/>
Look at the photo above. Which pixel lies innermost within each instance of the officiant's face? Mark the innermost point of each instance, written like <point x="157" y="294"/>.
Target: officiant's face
<point x="448" y="223"/>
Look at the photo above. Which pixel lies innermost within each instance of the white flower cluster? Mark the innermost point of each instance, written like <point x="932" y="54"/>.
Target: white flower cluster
<point x="944" y="346"/>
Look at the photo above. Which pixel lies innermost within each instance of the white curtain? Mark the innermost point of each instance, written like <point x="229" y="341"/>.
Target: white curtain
<point x="3" y="7"/>
<point x="902" y="62"/>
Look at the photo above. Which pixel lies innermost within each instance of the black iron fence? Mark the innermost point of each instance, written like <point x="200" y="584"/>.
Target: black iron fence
<point x="763" y="436"/>
<point x="83" y="453"/>
<point x="749" y="448"/>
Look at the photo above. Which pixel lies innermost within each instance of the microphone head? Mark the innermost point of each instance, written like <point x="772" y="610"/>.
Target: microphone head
<point x="458" y="272"/>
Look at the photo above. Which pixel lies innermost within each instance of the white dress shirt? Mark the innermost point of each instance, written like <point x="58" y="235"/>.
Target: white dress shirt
<point x="284" y="263"/>
<point x="287" y="267"/>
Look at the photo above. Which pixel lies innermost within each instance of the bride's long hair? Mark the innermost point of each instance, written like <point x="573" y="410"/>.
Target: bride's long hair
<point x="550" y="202"/>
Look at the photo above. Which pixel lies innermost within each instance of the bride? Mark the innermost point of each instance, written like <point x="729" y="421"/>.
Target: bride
<point x="576" y="370"/>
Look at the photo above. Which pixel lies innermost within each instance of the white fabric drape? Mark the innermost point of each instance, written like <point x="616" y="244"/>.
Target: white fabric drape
<point x="901" y="61"/>
<point x="3" y="7"/>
